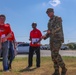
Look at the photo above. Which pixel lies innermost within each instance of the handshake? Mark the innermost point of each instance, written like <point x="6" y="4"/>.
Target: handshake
<point x="47" y="32"/>
<point x="43" y="37"/>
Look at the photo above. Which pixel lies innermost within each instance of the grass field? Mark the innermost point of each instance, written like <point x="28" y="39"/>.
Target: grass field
<point x="19" y="66"/>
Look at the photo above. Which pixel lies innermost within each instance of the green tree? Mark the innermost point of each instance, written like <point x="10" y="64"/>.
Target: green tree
<point x="72" y="46"/>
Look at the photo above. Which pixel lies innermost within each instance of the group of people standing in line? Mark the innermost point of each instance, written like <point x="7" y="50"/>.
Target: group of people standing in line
<point x="54" y="32"/>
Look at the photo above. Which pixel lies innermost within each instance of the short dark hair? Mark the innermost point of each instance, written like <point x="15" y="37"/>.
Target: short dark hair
<point x="3" y="16"/>
<point x="34" y="23"/>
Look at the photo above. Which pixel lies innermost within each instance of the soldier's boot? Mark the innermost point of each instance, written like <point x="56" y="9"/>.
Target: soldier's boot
<point x="56" y="72"/>
<point x="63" y="72"/>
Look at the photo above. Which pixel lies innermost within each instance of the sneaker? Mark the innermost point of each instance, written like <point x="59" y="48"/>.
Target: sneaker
<point x="64" y="71"/>
<point x="28" y="67"/>
<point x="6" y="71"/>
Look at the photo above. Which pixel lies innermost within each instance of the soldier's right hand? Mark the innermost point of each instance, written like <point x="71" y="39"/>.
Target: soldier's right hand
<point x="43" y="37"/>
<point x="48" y="32"/>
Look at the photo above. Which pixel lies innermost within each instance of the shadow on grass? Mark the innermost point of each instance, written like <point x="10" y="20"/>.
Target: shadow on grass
<point x="28" y="69"/>
<point x="46" y="73"/>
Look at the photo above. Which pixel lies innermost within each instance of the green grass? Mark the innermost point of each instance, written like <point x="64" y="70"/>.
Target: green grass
<point x="19" y="66"/>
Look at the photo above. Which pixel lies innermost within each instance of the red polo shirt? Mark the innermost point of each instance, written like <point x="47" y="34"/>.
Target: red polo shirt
<point x="12" y="37"/>
<point x="5" y="30"/>
<point x="0" y="34"/>
<point x="35" y="35"/>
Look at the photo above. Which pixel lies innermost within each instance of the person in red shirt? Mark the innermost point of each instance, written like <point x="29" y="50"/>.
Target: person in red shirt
<point x="5" y="31"/>
<point x="0" y="40"/>
<point x="35" y="38"/>
<point x="12" y="49"/>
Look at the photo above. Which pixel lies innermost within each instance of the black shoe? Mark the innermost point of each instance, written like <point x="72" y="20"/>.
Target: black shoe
<point x="38" y="66"/>
<point x="64" y="71"/>
<point x="9" y="67"/>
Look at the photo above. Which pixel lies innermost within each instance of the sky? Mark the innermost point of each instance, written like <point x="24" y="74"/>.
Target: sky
<point x="20" y="14"/>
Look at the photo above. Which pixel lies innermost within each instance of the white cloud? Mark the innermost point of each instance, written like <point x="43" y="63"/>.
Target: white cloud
<point x="54" y="2"/>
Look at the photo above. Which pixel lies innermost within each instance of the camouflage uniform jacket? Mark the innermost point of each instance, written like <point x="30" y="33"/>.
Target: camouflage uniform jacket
<point x="55" y="26"/>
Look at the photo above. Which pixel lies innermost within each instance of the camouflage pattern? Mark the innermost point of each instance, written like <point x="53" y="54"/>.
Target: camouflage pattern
<point x="56" y="39"/>
<point x="49" y="10"/>
<point x="53" y="24"/>
<point x="56" y="57"/>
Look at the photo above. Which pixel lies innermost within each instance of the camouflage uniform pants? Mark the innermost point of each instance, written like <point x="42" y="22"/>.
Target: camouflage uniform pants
<point x="56" y="57"/>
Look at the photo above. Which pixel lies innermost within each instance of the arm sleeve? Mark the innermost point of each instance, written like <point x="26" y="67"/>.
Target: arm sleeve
<point x="13" y="36"/>
<point x="59" y="22"/>
<point x="40" y="34"/>
<point x="47" y="35"/>
<point x="8" y="29"/>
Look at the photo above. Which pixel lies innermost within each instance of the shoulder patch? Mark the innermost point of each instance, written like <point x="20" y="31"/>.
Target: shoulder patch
<point x="59" y="19"/>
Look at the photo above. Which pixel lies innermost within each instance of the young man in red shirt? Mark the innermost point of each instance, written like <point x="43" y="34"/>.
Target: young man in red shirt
<point x="35" y="38"/>
<point x="0" y="41"/>
<point x="5" y="31"/>
<point x="12" y="49"/>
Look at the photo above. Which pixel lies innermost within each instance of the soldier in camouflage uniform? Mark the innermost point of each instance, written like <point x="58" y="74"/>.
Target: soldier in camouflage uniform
<point x="55" y="32"/>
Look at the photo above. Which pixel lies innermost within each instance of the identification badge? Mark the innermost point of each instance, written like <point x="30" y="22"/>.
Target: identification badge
<point x="2" y="36"/>
<point x="35" y="40"/>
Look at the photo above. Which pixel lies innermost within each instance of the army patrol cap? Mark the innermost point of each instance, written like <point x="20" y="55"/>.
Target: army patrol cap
<point x="49" y="10"/>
